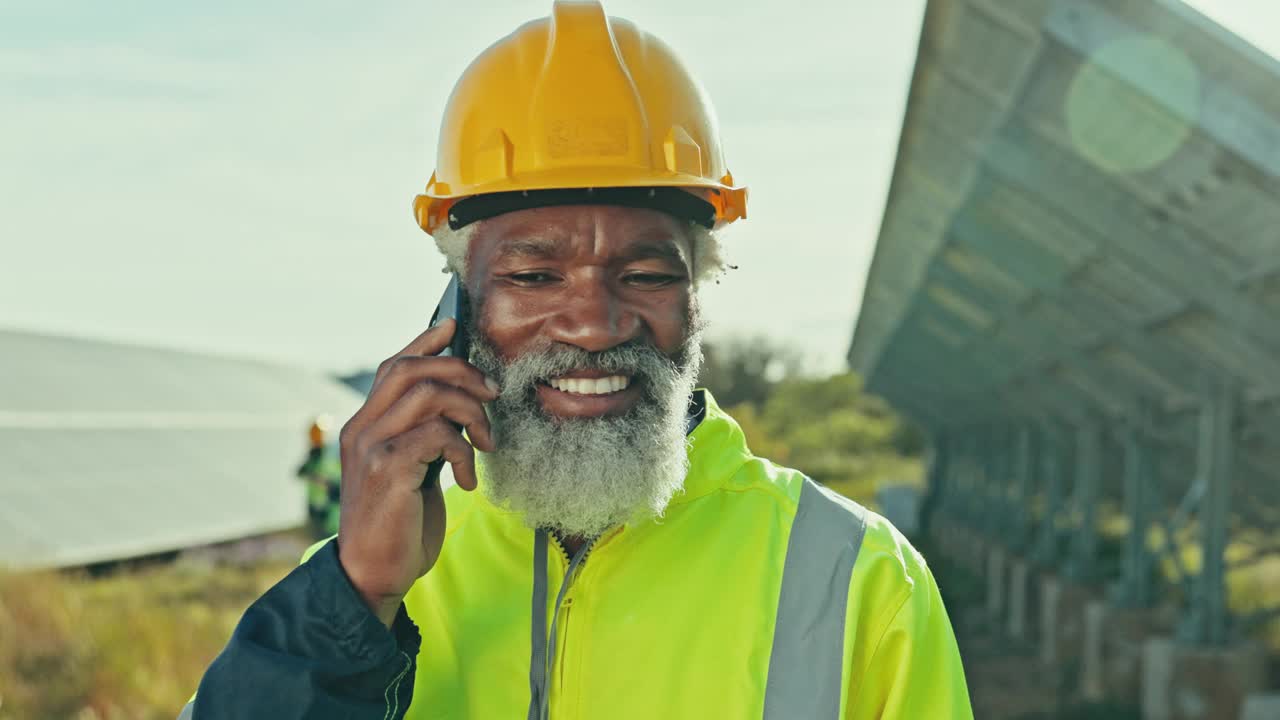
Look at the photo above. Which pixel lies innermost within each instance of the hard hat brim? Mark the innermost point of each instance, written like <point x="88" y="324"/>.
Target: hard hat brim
<point x="432" y="208"/>
<point x="673" y="201"/>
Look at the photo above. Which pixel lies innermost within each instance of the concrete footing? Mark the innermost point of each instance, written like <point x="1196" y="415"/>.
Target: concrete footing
<point x="1101" y="654"/>
<point x="1196" y="683"/>
<point x="1062" y="619"/>
<point x="1092" y="673"/>
<point x="1114" y="641"/>
<point x="1020" y="597"/>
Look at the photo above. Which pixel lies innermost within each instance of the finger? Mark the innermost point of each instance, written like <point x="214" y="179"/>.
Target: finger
<point x="430" y="342"/>
<point x="429" y="399"/>
<point x="409" y="370"/>
<point x="432" y="440"/>
<point x="403" y="373"/>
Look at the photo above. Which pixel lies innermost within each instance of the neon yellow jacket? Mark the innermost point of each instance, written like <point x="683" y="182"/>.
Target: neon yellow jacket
<point x="758" y="595"/>
<point x="676" y="618"/>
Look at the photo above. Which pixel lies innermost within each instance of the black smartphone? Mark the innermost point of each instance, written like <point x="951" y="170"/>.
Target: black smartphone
<point x="453" y="304"/>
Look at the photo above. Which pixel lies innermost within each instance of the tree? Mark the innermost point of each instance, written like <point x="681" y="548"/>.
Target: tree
<point x="827" y="427"/>
<point x="745" y="370"/>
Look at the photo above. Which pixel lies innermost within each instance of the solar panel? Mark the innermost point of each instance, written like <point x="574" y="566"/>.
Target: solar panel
<point x="112" y="451"/>
<point x="1079" y="247"/>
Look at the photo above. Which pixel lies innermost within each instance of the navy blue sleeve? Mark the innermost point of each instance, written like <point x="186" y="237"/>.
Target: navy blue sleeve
<point x="310" y="648"/>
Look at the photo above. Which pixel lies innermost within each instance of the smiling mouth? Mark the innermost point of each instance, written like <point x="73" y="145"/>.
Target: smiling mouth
<point x="590" y="386"/>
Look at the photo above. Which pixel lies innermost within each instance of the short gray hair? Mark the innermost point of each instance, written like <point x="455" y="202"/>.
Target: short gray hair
<point x="708" y="257"/>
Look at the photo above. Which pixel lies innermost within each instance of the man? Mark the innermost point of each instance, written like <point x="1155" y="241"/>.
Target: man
<point x="613" y="550"/>
<point x="321" y="486"/>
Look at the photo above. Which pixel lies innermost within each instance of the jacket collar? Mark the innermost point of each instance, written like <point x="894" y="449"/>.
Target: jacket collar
<point x="716" y="447"/>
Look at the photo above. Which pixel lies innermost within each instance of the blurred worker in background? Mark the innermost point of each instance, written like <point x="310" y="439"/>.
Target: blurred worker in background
<point x="316" y="434"/>
<point x="626" y="556"/>
<point x="321" y="480"/>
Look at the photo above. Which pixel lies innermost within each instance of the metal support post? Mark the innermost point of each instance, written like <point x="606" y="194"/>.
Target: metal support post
<point x="981" y="480"/>
<point x="1046" y="552"/>
<point x="1024" y="473"/>
<point x="1004" y="475"/>
<point x="982" y="467"/>
<point x="1135" y="581"/>
<point x="959" y="485"/>
<point x="938" y="496"/>
<point x="1219" y="434"/>
<point x="992" y="484"/>
<point x="972" y="485"/>
<point x="1084" y="542"/>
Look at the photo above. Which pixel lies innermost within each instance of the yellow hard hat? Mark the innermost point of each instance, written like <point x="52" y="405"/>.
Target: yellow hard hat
<point x="578" y="107"/>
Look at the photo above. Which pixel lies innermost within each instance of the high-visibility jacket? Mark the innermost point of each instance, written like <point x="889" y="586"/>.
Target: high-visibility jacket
<point x="758" y="594"/>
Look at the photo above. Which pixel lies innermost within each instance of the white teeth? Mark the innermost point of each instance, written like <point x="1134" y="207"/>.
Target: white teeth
<point x="591" y="386"/>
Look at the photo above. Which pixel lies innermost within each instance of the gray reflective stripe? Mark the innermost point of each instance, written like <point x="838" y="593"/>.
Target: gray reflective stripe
<point x="808" y="638"/>
<point x="186" y="711"/>
<point x="538" y="637"/>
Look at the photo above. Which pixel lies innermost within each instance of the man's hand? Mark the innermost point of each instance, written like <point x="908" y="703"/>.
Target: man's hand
<point x="391" y="527"/>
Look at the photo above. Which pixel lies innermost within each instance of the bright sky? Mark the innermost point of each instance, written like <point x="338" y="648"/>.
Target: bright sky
<point x="236" y="176"/>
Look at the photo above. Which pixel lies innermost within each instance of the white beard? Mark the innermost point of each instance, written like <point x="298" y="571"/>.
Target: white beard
<point x="582" y="476"/>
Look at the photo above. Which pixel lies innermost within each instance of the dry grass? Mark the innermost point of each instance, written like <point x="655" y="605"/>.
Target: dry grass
<point x="132" y="645"/>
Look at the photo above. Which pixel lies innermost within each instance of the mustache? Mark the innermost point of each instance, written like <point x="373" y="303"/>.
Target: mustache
<point x="640" y="360"/>
<point x="631" y="358"/>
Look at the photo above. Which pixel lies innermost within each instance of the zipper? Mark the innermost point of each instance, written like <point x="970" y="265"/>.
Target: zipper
<point x="565" y="555"/>
<point x="555" y="542"/>
<point x="563" y="652"/>
<point x="557" y="662"/>
<point x="556" y="656"/>
<point x="561" y="613"/>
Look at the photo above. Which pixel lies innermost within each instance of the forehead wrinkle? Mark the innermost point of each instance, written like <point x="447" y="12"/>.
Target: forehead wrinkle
<point x="656" y="243"/>
<point x="598" y="234"/>
<point x="662" y="247"/>
<point x="538" y="247"/>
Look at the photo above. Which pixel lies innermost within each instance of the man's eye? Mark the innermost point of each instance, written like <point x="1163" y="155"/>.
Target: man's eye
<point x="650" y="279"/>
<point x="531" y="278"/>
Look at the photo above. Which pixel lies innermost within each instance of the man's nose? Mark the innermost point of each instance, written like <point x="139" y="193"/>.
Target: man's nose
<point x="594" y="318"/>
